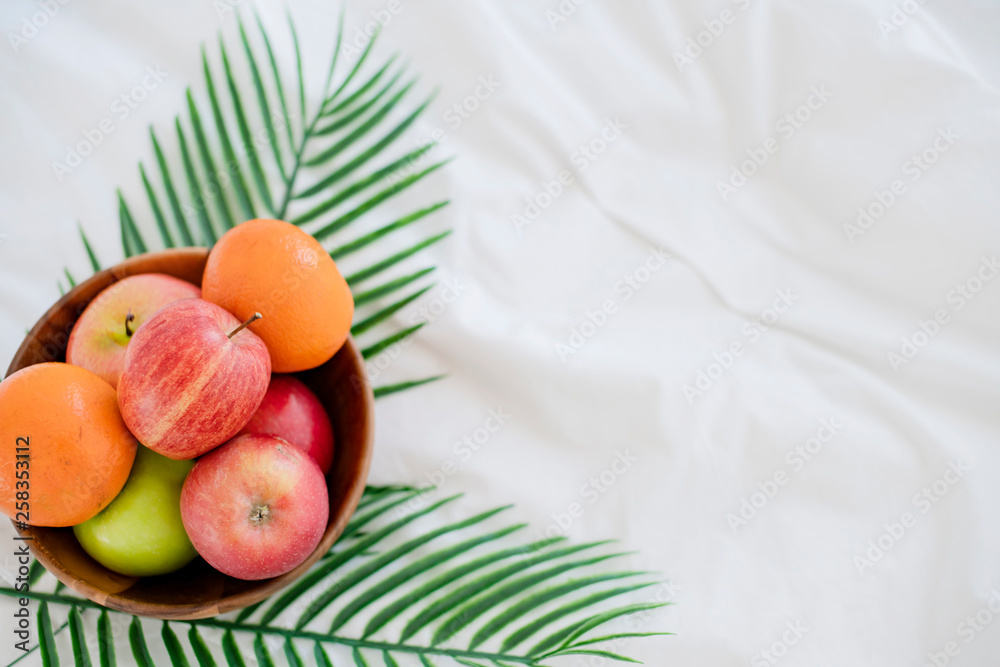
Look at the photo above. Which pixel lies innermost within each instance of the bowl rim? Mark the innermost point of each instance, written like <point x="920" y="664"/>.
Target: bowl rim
<point x="265" y="587"/>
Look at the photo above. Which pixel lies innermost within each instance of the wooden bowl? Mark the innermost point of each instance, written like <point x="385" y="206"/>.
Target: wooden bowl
<point x="198" y="590"/>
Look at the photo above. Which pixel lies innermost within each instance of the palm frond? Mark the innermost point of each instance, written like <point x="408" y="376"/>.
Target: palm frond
<point x="208" y="164"/>
<point x="161" y="223"/>
<point x="376" y="293"/>
<point x="474" y="591"/>
<point x="364" y="87"/>
<point x="137" y="640"/>
<point x="78" y="639"/>
<point x="229" y="158"/>
<point x="299" y="68"/>
<point x="256" y="170"/>
<point x="389" y="341"/>
<point x="95" y="264"/>
<point x="173" y="645"/>
<point x="386" y="312"/>
<point x="172" y="198"/>
<point x="348" y="116"/>
<point x="200" y="648"/>
<point x="389" y="262"/>
<point x="231" y="650"/>
<point x="292" y="655"/>
<point x="46" y="640"/>
<point x="132" y="241"/>
<point x="195" y="188"/>
<point x="105" y="640"/>
<point x="265" y="107"/>
<point x="230" y="175"/>
<point x="402" y="583"/>
<point x="275" y="71"/>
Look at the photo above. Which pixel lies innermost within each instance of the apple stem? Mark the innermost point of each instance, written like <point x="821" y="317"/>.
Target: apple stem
<point x="254" y="318"/>
<point x="129" y="318"/>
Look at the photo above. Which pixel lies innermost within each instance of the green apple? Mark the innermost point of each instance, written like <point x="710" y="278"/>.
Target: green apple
<point x="141" y="533"/>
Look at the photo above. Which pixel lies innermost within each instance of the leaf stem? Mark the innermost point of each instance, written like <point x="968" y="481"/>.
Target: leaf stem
<point x="293" y="634"/>
<point x="50" y="597"/>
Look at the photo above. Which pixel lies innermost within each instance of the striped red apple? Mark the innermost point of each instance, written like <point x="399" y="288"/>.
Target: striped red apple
<point x="193" y="377"/>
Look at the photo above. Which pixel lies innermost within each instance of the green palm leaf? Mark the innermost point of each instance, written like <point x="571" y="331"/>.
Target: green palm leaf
<point x="601" y="654"/>
<point x="322" y="659"/>
<point x="80" y="654"/>
<point x="402" y="583"/>
<point x="137" y="639"/>
<point x="168" y="186"/>
<point x="474" y="568"/>
<point x="195" y="187"/>
<point x="200" y="648"/>
<point x="231" y="651"/>
<point x="275" y="71"/>
<point x="564" y="638"/>
<point x="303" y="178"/>
<point x="265" y="107"/>
<point x="131" y="238"/>
<point x="348" y="116"/>
<point x="95" y="264"/>
<point x="105" y="640"/>
<point x="389" y="389"/>
<point x="291" y="655"/>
<point x="233" y="164"/>
<point x="260" y="651"/>
<point x="161" y="223"/>
<point x="173" y="646"/>
<point x="47" y="642"/>
<point x="208" y="164"/>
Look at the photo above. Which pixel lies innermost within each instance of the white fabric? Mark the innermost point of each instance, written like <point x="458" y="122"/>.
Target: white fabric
<point x="886" y="81"/>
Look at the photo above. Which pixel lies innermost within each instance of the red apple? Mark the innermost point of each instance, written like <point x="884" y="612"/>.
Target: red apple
<point x="292" y="412"/>
<point x="193" y="377"/>
<point x="256" y="507"/>
<point x="100" y="337"/>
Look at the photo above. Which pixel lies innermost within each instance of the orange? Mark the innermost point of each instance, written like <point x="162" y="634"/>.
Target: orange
<point x="274" y="268"/>
<point x="65" y="420"/>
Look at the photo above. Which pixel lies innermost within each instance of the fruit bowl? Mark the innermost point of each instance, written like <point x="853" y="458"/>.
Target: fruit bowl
<point x="198" y="590"/>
